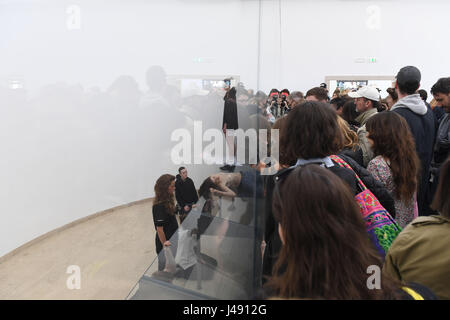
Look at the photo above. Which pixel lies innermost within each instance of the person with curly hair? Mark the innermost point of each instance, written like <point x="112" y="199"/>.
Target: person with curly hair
<point x="164" y="218"/>
<point x="396" y="163"/>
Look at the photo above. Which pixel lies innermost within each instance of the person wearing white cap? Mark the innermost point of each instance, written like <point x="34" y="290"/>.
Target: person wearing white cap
<point x="367" y="100"/>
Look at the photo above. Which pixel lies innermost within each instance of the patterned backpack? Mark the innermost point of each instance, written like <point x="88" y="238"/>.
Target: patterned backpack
<point x="382" y="228"/>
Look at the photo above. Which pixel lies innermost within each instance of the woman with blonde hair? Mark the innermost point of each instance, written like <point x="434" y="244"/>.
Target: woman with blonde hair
<point x="350" y="146"/>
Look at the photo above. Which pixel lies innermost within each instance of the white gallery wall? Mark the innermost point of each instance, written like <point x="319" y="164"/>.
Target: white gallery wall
<point x="74" y="145"/>
<point x="321" y="38"/>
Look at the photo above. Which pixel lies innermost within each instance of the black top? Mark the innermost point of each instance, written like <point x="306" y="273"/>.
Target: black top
<point x="356" y="155"/>
<point x="423" y="129"/>
<point x="375" y="186"/>
<point x="230" y="115"/>
<point x="185" y="191"/>
<point x="439" y="113"/>
<point x="442" y="145"/>
<point x="162" y="218"/>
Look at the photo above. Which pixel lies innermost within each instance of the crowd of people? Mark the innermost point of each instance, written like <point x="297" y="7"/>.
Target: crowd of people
<point x="360" y="182"/>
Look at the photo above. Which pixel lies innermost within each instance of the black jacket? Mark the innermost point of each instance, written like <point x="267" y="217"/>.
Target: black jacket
<point x="185" y="191"/>
<point x="423" y="129"/>
<point x="375" y="186"/>
<point x="230" y="115"/>
<point x="271" y="236"/>
<point x="442" y="145"/>
<point x="439" y="113"/>
<point x="355" y="155"/>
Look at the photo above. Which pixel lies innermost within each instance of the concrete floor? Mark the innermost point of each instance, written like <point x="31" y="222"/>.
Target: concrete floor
<point x="112" y="250"/>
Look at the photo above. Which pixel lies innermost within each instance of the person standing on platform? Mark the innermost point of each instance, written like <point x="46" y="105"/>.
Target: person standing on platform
<point x="229" y="124"/>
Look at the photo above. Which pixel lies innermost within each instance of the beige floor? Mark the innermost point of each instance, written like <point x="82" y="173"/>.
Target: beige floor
<point x="113" y="251"/>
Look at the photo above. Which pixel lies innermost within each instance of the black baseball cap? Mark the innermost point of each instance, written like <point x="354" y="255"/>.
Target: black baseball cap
<point x="409" y="75"/>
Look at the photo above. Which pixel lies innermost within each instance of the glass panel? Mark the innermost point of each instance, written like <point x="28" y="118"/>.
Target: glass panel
<point x="215" y="254"/>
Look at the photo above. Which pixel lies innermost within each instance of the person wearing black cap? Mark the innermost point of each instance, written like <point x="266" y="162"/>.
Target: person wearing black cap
<point x="422" y="124"/>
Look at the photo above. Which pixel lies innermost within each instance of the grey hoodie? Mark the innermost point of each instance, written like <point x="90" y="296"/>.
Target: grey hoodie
<point x="413" y="102"/>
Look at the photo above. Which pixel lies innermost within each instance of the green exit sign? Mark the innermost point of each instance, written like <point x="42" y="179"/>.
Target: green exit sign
<point x="366" y="60"/>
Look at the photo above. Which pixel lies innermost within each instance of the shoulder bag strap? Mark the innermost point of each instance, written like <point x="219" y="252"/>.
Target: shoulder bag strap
<point x="344" y="164"/>
<point x="413" y="293"/>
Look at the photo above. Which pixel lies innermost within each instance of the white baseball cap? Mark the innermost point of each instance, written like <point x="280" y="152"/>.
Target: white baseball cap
<point x="367" y="92"/>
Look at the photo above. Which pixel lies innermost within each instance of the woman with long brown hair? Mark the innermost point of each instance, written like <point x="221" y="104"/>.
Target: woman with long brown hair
<point x="164" y="219"/>
<point x="396" y="163"/>
<point x="326" y="253"/>
<point x="352" y="154"/>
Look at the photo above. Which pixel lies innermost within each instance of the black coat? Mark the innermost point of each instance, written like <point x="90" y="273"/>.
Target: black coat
<point x="423" y="129"/>
<point x="355" y="155"/>
<point x="230" y="115"/>
<point x="442" y="145"/>
<point x="375" y="186"/>
<point x="439" y="113"/>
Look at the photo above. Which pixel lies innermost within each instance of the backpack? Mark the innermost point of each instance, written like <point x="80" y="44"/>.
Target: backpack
<point x="381" y="227"/>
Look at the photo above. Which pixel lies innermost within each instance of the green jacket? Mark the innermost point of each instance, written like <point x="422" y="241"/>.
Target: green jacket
<point x="362" y="132"/>
<point x="421" y="254"/>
